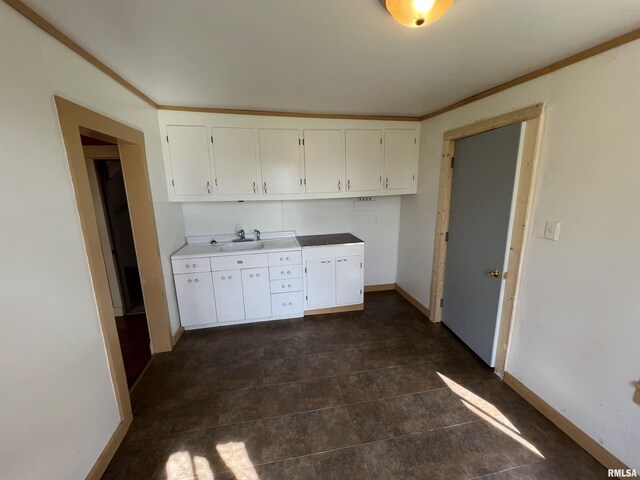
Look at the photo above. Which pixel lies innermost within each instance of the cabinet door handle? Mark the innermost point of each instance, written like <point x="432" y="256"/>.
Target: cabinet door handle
<point x="386" y="183"/>
<point x="208" y="187"/>
<point x="265" y="187"/>
<point x="338" y="185"/>
<point x="254" y="187"/>
<point x="349" y="184"/>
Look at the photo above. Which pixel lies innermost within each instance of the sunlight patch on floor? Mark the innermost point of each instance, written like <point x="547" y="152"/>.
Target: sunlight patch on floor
<point x="488" y="412"/>
<point x="181" y="465"/>
<point x="236" y="457"/>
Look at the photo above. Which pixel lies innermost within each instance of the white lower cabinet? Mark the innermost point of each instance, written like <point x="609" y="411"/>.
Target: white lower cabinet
<point x="227" y="286"/>
<point x="195" y="299"/>
<point x="334" y="276"/>
<point x="321" y="282"/>
<point x="256" y="292"/>
<point x="287" y="304"/>
<point x="238" y="288"/>
<point x="349" y="280"/>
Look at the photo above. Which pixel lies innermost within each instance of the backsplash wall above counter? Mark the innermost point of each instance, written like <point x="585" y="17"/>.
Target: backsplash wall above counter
<point x="376" y="221"/>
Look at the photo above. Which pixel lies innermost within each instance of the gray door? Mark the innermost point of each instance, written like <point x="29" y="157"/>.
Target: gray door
<point x="481" y="196"/>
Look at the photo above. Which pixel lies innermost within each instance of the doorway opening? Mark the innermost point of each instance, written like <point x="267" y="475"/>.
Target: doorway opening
<point x="109" y="194"/>
<point x="517" y="222"/>
<point x="129" y="143"/>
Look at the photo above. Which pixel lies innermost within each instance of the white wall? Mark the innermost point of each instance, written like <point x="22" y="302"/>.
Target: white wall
<point x="58" y="407"/>
<point x="308" y="217"/>
<point x="577" y="325"/>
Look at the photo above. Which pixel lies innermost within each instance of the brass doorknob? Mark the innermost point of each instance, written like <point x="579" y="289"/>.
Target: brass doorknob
<point x="494" y="273"/>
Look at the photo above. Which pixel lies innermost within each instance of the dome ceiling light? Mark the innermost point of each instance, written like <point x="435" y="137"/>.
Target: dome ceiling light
<point x="416" y="13"/>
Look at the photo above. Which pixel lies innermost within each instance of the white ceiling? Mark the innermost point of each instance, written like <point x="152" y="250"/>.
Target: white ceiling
<point x="332" y="56"/>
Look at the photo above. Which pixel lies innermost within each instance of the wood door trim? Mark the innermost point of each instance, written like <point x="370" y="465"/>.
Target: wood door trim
<point x="591" y="446"/>
<point x="75" y="120"/>
<point x="531" y="117"/>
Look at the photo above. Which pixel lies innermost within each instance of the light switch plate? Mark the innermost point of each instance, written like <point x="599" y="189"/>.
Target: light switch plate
<point x="552" y="230"/>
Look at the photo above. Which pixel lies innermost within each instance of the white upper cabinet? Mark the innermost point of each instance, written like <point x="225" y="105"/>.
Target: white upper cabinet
<point x="188" y="148"/>
<point x="280" y="161"/>
<point x="258" y="157"/>
<point x="363" y="157"/>
<point x="400" y="158"/>
<point x="323" y="165"/>
<point x="235" y="160"/>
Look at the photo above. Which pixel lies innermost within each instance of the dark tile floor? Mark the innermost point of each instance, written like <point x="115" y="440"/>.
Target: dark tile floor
<point x="380" y="394"/>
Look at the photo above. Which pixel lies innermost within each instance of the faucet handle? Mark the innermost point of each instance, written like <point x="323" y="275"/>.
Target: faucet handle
<point x="241" y="233"/>
<point x="257" y="232"/>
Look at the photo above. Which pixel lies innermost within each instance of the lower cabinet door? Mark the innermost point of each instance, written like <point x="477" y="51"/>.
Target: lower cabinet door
<point x="349" y="280"/>
<point x="256" y="293"/>
<point x="195" y="299"/>
<point x="227" y="286"/>
<point x="321" y="282"/>
<point x="287" y="304"/>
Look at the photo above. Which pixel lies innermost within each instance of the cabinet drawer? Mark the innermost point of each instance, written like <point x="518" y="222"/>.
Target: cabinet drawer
<point x="291" y="303"/>
<point x="286" y="285"/>
<point x="238" y="261"/>
<point x="285" y="258"/>
<point x="285" y="271"/>
<point x="190" y="265"/>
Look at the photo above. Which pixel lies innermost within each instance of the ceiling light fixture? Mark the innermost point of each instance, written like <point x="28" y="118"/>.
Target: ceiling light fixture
<point x="416" y="13"/>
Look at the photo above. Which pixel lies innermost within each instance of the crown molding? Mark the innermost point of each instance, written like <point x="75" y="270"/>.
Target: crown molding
<point x="39" y="21"/>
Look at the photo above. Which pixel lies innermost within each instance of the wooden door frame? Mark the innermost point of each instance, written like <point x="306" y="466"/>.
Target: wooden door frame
<point x="74" y="121"/>
<point x="531" y="117"/>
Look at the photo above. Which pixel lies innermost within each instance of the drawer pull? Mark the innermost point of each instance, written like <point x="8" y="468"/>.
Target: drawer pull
<point x="284" y="304"/>
<point x="284" y="286"/>
<point x="289" y="272"/>
<point x="189" y="281"/>
<point x="282" y="272"/>
<point x="196" y="280"/>
<point x="251" y="275"/>
<point x="287" y="258"/>
<point x="289" y="285"/>
<point x="187" y="265"/>
<point x="290" y="303"/>
<point x="257" y="274"/>
<point x="239" y="261"/>
<point x="223" y="278"/>
<point x="194" y="265"/>
<point x="282" y="258"/>
<point x="230" y="277"/>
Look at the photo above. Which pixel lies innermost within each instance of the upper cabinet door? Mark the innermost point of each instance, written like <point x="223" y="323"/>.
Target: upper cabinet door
<point x="323" y="161"/>
<point x="280" y="161"/>
<point x="234" y="156"/>
<point x="364" y="160"/>
<point x="400" y="158"/>
<point x="190" y="162"/>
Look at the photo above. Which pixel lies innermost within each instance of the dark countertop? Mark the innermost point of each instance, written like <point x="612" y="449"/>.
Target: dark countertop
<point x="329" y="239"/>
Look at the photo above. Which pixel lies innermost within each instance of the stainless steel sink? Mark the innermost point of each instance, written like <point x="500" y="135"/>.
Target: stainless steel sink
<point x="241" y="246"/>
